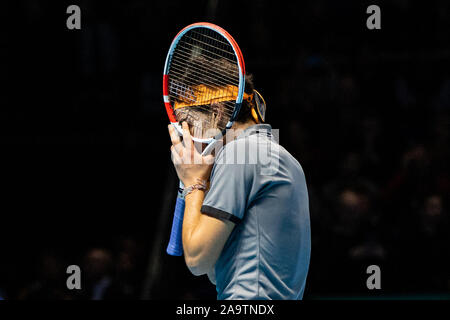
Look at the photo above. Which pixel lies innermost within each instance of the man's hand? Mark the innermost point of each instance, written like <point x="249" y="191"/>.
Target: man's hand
<point x="189" y="163"/>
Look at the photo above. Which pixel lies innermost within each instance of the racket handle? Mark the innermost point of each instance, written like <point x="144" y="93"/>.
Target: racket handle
<point x="175" y="247"/>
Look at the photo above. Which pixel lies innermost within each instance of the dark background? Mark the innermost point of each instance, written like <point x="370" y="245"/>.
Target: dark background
<point x="86" y="176"/>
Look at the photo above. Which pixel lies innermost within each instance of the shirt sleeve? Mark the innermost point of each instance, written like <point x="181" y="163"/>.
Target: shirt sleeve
<point x="230" y="186"/>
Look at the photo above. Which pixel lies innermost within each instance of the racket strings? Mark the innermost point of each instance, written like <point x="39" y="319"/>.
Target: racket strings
<point x="199" y="78"/>
<point x="189" y="54"/>
<point x="225" y="68"/>
<point x="212" y="39"/>
<point x="198" y="72"/>
<point x="190" y="94"/>
<point x="228" y="77"/>
<point x="205" y="35"/>
<point x="214" y="53"/>
<point x="201" y="127"/>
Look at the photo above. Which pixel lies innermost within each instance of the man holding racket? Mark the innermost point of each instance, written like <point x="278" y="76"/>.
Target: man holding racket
<point x="246" y="223"/>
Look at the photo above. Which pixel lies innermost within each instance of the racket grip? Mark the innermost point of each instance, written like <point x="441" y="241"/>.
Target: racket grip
<point x="175" y="247"/>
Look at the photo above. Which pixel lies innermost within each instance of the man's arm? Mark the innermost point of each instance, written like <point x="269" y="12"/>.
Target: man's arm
<point x="203" y="236"/>
<point x="212" y="275"/>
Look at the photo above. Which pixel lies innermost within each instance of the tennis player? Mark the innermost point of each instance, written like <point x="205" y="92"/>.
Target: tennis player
<point x="246" y="223"/>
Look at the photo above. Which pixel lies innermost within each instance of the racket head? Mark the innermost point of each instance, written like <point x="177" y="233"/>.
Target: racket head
<point x="203" y="80"/>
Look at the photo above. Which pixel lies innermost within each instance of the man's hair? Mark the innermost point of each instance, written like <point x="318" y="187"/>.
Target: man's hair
<point x="245" y="114"/>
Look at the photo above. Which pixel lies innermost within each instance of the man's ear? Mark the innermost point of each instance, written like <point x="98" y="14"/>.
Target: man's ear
<point x="255" y="115"/>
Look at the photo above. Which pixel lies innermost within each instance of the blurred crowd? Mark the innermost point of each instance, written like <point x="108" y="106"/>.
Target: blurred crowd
<point x="366" y="114"/>
<point x="376" y="156"/>
<point x="106" y="273"/>
<point x="379" y="202"/>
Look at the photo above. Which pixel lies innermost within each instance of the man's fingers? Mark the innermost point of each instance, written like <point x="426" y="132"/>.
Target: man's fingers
<point x="175" y="138"/>
<point x="187" y="139"/>
<point x="209" y="159"/>
<point x="190" y="151"/>
<point x="176" y="159"/>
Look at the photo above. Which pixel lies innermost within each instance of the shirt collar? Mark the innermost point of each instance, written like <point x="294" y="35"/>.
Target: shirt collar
<point x="266" y="128"/>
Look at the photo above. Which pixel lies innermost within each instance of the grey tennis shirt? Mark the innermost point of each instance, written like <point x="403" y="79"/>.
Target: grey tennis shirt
<point x="260" y="187"/>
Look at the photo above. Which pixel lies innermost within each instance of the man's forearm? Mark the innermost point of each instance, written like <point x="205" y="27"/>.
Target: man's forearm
<point x="192" y="215"/>
<point x="212" y="275"/>
<point x="203" y="236"/>
<point x="192" y="212"/>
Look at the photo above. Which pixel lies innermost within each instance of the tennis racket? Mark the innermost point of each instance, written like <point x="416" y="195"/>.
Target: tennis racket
<point x="203" y="84"/>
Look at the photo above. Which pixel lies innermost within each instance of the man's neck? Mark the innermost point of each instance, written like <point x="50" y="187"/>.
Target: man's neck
<point x="241" y="126"/>
<point x="238" y="127"/>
